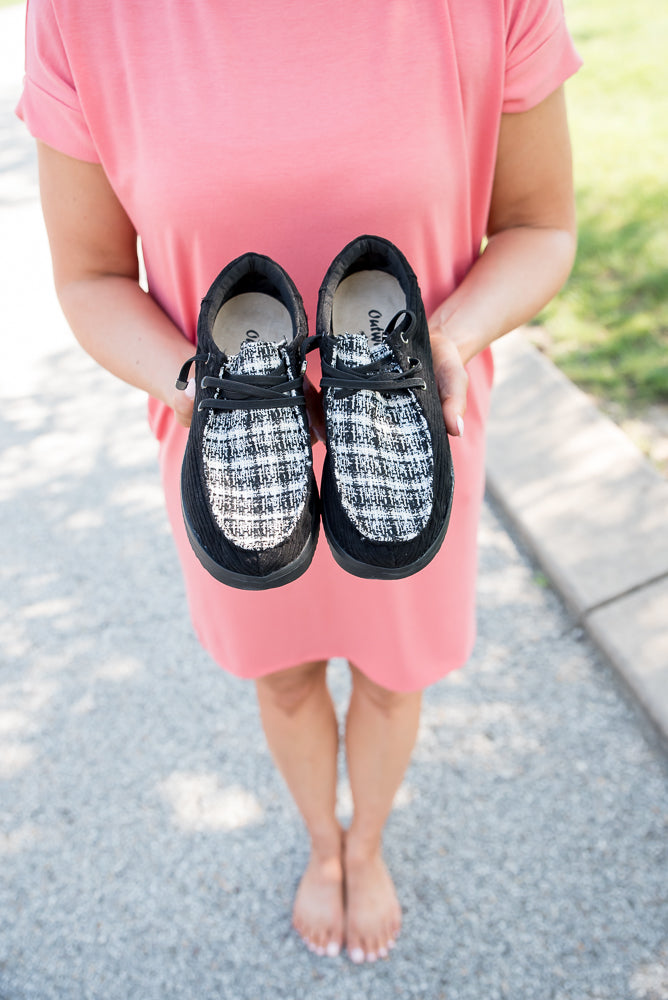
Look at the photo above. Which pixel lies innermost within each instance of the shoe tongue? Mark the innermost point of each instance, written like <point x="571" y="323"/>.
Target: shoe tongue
<point x="258" y="358"/>
<point x="354" y="349"/>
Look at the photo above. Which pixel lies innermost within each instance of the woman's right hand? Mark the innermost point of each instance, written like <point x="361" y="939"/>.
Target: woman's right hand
<point x="182" y="404"/>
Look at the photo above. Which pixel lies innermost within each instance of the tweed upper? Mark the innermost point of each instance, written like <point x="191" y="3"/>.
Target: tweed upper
<point x="257" y="462"/>
<point x="380" y="447"/>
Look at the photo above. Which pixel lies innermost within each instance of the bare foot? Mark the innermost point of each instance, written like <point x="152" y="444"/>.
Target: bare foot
<point x="318" y="911"/>
<point x="373" y="914"/>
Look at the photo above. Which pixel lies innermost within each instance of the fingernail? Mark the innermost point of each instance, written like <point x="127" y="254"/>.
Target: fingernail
<point x="460" y="425"/>
<point x="333" y="949"/>
<point x="357" y="956"/>
<point x="190" y="388"/>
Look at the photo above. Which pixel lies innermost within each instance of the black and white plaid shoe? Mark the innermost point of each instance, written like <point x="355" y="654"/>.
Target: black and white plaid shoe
<point x="388" y="481"/>
<point x="249" y="497"/>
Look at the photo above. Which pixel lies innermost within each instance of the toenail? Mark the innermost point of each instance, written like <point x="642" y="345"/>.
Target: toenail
<point x="383" y="953"/>
<point x="391" y="943"/>
<point x="320" y="950"/>
<point x="371" y="957"/>
<point x="356" y="956"/>
<point x="333" y="949"/>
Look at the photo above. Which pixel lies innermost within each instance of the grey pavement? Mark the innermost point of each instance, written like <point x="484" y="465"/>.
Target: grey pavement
<point x="592" y="510"/>
<point x="148" y="849"/>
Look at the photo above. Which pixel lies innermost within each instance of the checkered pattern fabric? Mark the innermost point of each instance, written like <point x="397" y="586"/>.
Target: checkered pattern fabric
<point x="380" y="447"/>
<point x="257" y="462"/>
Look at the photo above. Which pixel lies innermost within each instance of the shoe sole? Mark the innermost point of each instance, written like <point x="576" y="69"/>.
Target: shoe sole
<point x="243" y="581"/>
<point x="369" y="571"/>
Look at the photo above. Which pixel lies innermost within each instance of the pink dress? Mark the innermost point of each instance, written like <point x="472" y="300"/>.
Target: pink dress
<point x="289" y="128"/>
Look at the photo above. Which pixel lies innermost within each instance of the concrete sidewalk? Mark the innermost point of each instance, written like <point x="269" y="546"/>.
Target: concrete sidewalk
<point x="148" y="848"/>
<point x="591" y="509"/>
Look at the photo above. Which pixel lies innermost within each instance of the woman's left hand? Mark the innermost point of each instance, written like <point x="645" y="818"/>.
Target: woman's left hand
<point x="451" y="377"/>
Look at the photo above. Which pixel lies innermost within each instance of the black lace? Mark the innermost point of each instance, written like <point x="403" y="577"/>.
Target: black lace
<point x="250" y="392"/>
<point x="376" y="376"/>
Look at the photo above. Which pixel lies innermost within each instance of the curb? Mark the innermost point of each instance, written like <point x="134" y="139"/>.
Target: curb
<point x="591" y="509"/>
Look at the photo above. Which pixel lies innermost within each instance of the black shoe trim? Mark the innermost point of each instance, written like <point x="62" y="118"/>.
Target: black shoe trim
<point x="244" y="581"/>
<point x="369" y="571"/>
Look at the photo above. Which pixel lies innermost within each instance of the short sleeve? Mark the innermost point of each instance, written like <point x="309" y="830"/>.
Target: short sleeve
<point x="540" y="54"/>
<point x="49" y="104"/>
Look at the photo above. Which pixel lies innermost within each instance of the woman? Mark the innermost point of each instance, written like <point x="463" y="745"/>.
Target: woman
<point x="289" y="129"/>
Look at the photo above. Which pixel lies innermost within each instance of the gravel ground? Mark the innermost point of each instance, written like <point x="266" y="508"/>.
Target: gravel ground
<point x="148" y="849"/>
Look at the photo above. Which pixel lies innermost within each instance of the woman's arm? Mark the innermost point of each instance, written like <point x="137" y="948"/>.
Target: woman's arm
<point x="94" y="252"/>
<point x="530" y="249"/>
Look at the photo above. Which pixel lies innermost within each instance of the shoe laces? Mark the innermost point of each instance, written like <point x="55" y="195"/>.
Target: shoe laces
<point x="377" y="375"/>
<point x="236" y="391"/>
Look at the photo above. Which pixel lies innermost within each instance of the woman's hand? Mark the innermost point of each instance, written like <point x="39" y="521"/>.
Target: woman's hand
<point x="451" y="376"/>
<point x="182" y="403"/>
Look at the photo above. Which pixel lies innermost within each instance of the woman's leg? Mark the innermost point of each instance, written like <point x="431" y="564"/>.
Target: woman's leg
<point x="302" y="732"/>
<point x="380" y="734"/>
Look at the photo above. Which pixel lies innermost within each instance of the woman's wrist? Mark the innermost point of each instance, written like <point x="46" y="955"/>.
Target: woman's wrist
<point x="127" y="332"/>
<point x="466" y="341"/>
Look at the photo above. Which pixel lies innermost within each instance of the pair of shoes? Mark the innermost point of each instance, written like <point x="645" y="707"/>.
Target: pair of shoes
<point x="249" y="496"/>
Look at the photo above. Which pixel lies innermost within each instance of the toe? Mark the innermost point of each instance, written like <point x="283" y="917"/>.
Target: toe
<point x="373" y="946"/>
<point x="394" y="929"/>
<point x="324" y="942"/>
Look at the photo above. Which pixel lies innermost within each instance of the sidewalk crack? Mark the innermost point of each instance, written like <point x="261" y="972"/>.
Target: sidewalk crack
<point x="625" y="593"/>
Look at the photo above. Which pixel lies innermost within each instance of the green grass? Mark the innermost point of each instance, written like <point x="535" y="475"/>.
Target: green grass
<point x="608" y="330"/>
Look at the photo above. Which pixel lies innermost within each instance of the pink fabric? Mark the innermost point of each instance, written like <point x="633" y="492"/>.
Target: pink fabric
<point x="288" y="129"/>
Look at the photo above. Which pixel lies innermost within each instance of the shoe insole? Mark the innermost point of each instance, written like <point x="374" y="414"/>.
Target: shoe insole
<point x="365" y="302"/>
<point x="251" y="316"/>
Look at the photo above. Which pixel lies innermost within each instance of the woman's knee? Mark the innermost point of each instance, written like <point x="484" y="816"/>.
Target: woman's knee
<point x="384" y="700"/>
<point x="287" y="690"/>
